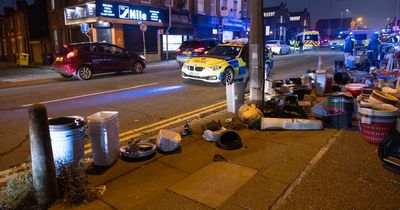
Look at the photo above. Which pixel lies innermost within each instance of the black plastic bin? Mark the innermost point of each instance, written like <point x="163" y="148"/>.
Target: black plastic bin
<point x="48" y="58"/>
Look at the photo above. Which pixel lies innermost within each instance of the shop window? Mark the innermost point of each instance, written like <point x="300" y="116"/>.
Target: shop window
<point x="305" y="22"/>
<point x="104" y="35"/>
<point x="169" y="3"/>
<point x="145" y="1"/>
<point x="52" y="4"/>
<point x="133" y="39"/>
<point x="200" y="6"/>
<point x="213" y="7"/>
<point x="13" y="46"/>
<point x="5" y="47"/>
<point x="281" y="19"/>
<point x="269" y="14"/>
<point x="4" y="31"/>
<point x="174" y="41"/>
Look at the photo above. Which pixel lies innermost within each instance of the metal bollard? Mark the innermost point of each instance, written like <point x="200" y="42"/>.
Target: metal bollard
<point x="43" y="172"/>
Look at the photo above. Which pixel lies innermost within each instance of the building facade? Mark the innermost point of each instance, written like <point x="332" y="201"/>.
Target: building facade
<point x="276" y="21"/>
<point x="13" y="36"/>
<point x="298" y="22"/>
<point x="120" y="22"/>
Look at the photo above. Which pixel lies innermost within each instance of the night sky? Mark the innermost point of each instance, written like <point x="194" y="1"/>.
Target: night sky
<point x="375" y="12"/>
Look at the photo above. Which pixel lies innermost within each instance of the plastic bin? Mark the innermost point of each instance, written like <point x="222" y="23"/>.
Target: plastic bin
<point x="23" y="59"/>
<point x="104" y="137"/>
<point x="235" y="96"/>
<point x="67" y="139"/>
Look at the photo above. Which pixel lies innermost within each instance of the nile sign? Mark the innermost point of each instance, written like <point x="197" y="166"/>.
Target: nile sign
<point x="129" y="12"/>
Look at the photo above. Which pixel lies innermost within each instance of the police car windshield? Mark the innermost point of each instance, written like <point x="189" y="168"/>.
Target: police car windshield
<point x="224" y="51"/>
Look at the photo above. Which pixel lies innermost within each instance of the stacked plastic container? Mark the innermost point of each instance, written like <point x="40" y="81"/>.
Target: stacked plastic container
<point x="104" y="136"/>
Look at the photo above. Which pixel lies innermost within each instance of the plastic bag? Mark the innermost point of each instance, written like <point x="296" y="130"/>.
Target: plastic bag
<point x="249" y="113"/>
<point x="168" y="141"/>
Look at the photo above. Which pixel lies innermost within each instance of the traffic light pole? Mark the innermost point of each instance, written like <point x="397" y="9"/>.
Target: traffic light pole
<point x="257" y="54"/>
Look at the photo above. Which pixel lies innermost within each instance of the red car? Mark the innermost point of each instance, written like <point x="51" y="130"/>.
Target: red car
<point x="85" y="59"/>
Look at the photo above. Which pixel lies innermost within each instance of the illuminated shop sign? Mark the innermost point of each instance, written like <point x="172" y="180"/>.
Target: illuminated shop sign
<point x="130" y="12"/>
<point x="80" y="12"/>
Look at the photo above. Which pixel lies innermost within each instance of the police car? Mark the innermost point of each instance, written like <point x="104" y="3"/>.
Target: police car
<point x="224" y="63"/>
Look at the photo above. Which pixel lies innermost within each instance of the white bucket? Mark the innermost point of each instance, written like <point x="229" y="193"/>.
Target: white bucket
<point x="67" y="139"/>
<point x="104" y="137"/>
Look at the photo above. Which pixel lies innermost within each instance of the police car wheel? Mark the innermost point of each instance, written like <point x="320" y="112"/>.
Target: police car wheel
<point x="227" y="76"/>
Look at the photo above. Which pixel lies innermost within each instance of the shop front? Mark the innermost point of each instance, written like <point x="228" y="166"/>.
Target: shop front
<point x="119" y="23"/>
<point x="206" y="26"/>
<point x="231" y="29"/>
<point x="180" y="31"/>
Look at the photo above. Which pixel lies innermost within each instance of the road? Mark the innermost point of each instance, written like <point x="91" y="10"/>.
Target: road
<point x="159" y="93"/>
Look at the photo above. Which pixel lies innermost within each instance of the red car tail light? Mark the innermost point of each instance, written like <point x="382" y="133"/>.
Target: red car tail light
<point x="72" y="54"/>
<point x="199" y="50"/>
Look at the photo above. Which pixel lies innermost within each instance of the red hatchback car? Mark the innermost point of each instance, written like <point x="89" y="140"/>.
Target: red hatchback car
<point x="85" y="59"/>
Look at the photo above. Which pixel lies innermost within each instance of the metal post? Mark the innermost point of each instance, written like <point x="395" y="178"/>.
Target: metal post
<point x="167" y="33"/>
<point x="257" y="54"/>
<point x="341" y="19"/>
<point x="43" y="172"/>
<point x="329" y="21"/>
<point x="144" y="45"/>
<point x="397" y="13"/>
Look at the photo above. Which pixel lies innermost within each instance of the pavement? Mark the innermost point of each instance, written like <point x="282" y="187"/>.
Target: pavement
<point x="325" y="169"/>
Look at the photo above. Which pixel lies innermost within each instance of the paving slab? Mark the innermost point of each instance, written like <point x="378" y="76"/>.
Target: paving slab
<point x="193" y="157"/>
<point x="215" y="183"/>
<point x="140" y="185"/>
<point x="258" y="193"/>
<point x="349" y="176"/>
<point x="169" y="200"/>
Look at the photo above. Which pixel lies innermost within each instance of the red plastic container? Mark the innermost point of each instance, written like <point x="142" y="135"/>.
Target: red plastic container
<point x="354" y="88"/>
<point x="376" y="132"/>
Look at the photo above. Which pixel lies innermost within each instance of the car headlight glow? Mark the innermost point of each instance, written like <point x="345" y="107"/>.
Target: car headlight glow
<point x="142" y="57"/>
<point x="184" y="67"/>
<point x="213" y="68"/>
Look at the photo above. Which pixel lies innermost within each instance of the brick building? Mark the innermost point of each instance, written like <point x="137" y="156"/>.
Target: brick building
<point x="13" y="34"/>
<point x="298" y="22"/>
<point x="276" y="20"/>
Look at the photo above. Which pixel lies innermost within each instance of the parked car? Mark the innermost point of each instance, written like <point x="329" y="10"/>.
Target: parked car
<point x="325" y="43"/>
<point x="278" y="47"/>
<point x="223" y="64"/>
<point x="85" y="59"/>
<point x="193" y="48"/>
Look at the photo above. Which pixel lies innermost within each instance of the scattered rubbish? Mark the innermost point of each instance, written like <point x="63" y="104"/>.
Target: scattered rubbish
<point x="384" y="98"/>
<point x="218" y="157"/>
<point x="186" y="130"/>
<point x="212" y="126"/>
<point x="138" y="150"/>
<point x="168" y="141"/>
<point x="290" y="124"/>
<point x="284" y="107"/>
<point x="320" y="109"/>
<point x="213" y="135"/>
<point x="249" y="113"/>
<point x="395" y="182"/>
<point x="306" y="104"/>
<point x="229" y="140"/>
<point x="320" y="84"/>
<point x="354" y="88"/>
<point x="101" y="189"/>
<point x="228" y="120"/>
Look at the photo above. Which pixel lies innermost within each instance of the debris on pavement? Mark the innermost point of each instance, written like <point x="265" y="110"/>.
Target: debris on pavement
<point x="290" y="124"/>
<point x="218" y="157"/>
<point x="187" y="130"/>
<point x="212" y="126"/>
<point x="213" y="135"/>
<point x="168" y="141"/>
<point x="138" y="149"/>
<point x="249" y="113"/>
<point x="229" y="140"/>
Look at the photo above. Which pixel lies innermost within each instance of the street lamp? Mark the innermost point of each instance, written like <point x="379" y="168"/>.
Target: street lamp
<point x="341" y="16"/>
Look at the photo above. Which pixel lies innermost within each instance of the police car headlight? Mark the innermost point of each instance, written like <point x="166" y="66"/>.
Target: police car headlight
<point x="184" y="67"/>
<point x="214" y="68"/>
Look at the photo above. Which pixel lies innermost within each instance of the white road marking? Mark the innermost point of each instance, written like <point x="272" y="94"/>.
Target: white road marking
<point x="91" y="94"/>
